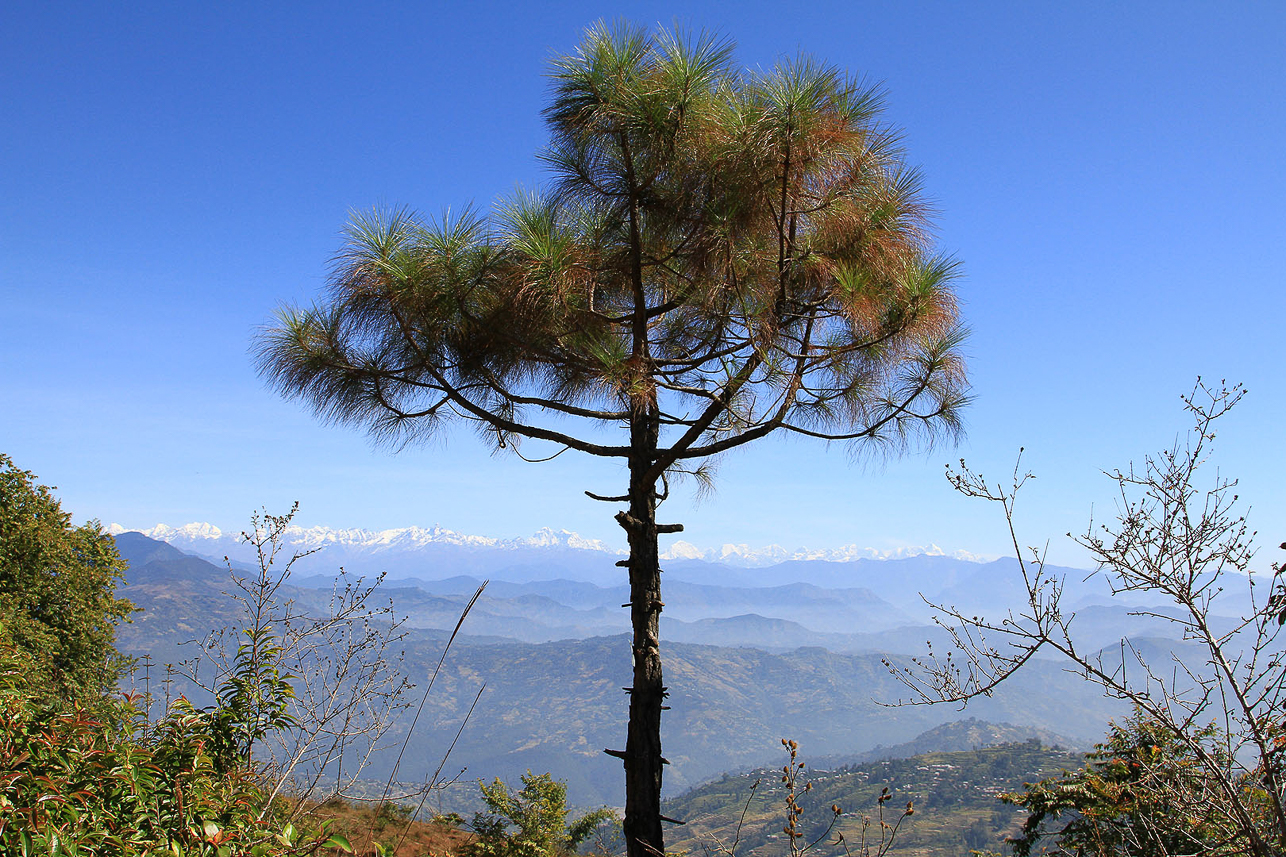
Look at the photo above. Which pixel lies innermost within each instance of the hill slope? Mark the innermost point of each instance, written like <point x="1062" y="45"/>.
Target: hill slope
<point x="954" y="796"/>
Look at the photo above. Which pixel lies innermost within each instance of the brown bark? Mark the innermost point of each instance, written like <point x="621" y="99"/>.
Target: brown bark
<point x="643" y="762"/>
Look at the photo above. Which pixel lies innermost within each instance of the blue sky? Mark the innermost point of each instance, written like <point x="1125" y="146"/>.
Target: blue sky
<point x="1110" y="176"/>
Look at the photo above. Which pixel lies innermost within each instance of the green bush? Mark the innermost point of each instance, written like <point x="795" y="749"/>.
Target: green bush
<point x="537" y="815"/>
<point x="1141" y="793"/>
<point x="74" y="783"/>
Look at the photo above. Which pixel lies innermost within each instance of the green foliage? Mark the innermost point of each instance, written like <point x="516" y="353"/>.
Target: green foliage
<point x="74" y="782"/>
<point x="253" y="699"/>
<point x="58" y="604"/>
<point x="70" y="780"/>
<point x="538" y="812"/>
<point x="1141" y="793"/>
<point x="390" y="813"/>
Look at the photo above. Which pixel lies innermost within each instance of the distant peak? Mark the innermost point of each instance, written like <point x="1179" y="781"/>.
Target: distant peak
<point x="209" y="538"/>
<point x="547" y="537"/>
<point x="164" y="533"/>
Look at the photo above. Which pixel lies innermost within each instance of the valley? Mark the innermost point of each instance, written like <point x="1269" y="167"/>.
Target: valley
<point x="746" y="664"/>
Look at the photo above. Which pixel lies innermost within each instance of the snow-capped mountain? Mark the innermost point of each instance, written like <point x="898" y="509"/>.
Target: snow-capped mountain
<point x="209" y="540"/>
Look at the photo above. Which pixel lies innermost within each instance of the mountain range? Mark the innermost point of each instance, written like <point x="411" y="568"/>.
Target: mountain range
<point x="752" y="654"/>
<point x="206" y="539"/>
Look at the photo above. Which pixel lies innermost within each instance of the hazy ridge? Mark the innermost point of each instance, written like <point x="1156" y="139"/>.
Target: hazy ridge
<point x="799" y="655"/>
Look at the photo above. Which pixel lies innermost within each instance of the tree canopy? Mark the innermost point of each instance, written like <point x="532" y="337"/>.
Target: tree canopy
<point x="721" y="254"/>
<point x="58" y="604"/>
<point x="739" y="251"/>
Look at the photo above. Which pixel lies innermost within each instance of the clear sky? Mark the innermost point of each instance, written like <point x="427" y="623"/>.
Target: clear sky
<point x="1111" y="176"/>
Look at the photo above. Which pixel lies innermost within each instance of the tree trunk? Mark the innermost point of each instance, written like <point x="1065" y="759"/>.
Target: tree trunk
<point x="643" y="762"/>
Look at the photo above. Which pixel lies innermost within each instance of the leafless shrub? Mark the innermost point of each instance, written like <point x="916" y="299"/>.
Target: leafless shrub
<point x="1171" y="538"/>
<point x="315" y="689"/>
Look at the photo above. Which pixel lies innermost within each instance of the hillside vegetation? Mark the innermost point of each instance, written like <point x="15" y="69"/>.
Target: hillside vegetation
<point x="954" y="797"/>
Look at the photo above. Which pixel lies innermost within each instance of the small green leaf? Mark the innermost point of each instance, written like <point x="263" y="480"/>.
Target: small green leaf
<point x="338" y="841"/>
